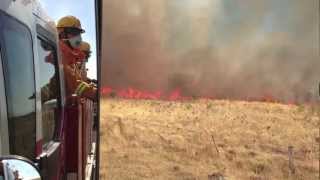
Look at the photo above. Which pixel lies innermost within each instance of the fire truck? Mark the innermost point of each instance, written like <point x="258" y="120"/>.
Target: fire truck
<point x="41" y="136"/>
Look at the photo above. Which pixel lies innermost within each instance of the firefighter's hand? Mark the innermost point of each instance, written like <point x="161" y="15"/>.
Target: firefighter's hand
<point x="93" y="85"/>
<point x="94" y="81"/>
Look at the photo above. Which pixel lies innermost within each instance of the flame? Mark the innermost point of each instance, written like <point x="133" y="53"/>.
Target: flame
<point x="131" y="93"/>
<point x="176" y="95"/>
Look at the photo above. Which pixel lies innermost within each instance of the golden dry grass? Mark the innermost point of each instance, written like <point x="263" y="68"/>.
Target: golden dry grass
<point x="144" y="139"/>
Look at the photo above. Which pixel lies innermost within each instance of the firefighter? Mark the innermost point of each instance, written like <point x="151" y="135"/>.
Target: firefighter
<point x="86" y="49"/>
<point x="69" y="29"/>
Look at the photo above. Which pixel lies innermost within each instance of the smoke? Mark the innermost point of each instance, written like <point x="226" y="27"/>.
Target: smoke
<point x="221" y="48"/>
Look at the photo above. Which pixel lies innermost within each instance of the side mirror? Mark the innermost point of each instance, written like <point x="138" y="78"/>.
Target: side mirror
<point x="18" y="168"/>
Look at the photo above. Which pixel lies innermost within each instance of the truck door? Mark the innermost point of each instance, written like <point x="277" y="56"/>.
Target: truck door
<point x="19" y="81"/>
<point x="20" y="64"/>
<point x="49" y="83"/>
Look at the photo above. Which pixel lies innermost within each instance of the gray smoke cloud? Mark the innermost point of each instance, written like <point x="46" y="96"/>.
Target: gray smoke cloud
<point x="221" y="48"/>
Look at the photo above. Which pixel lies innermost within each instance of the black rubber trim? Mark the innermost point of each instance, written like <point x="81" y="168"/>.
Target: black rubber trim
<point x="98" y="14"/>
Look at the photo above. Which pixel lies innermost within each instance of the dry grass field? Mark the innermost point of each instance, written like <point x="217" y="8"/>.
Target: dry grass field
<point x="203" y="139"/>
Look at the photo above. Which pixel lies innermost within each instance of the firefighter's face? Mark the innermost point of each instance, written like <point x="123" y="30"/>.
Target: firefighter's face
<point x="73" y="36"/>
<point x="88" y="54"/>
<point x="75" y="41"/>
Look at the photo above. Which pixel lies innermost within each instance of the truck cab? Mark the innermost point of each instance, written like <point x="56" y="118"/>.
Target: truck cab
<point x="35" y="121"/>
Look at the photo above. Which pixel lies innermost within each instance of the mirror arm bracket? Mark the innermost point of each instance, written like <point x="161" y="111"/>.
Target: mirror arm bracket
<point x="42" y="162"/>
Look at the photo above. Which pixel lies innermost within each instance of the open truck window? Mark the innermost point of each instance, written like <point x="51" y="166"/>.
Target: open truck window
<point x="50" y="89"/>
<point x="18" y="66"/>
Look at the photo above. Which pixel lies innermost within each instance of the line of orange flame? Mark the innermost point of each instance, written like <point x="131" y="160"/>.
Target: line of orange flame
<point x="132" y="93"/>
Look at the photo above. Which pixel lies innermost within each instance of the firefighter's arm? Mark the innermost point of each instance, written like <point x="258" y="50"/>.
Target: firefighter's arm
<point x="86" y="90"/>
<point x="92" y="82"/>
<point x="45" y="93"/>
<point x="79" y="87"/>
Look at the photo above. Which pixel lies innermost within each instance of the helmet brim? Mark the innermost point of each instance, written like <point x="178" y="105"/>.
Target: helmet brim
<point x="73" y="30"/>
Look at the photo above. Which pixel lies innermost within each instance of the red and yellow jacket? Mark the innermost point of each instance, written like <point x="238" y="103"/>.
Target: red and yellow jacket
<point x="73" y="81"/>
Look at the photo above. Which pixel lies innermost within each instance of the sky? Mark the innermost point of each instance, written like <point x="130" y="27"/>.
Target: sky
<point x="85" y="11"/>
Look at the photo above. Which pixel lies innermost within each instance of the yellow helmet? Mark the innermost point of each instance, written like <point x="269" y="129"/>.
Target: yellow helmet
<point x="70" y="22"/>
<point x="84" y="46"/>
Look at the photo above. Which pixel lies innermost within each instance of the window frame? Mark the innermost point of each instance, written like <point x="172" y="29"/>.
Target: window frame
<point x="4" y="139"/>
<point x="3" y="62"/>
<point x="49" y="38"/>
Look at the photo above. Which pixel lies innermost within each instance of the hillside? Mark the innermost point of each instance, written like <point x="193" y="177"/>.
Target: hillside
<point x="191" y="140"/>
